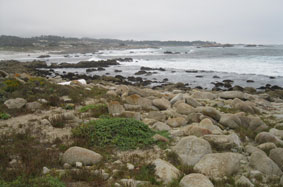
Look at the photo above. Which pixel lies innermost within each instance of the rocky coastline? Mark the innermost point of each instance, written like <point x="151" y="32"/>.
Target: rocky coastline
<point x="227" y="136"/>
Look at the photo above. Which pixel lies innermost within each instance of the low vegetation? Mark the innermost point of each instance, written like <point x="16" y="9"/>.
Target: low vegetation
<point x="124" y="133"/>
<point x="95" y="110"/>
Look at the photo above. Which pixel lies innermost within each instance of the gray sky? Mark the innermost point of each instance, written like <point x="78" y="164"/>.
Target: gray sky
<point x="234" y="21"/>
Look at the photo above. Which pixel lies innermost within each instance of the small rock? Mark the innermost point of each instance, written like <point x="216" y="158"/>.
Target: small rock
<point x="178" y="97"/>
<point x="158" y="137"/>
<point x="265" y="137"/>
<point x="45" y="170"/>
<point x="176" y="122"/>
<point x="159" y="116"/>
<point x="185" y="109"/>
<point x="130" y="166"/>
<point x="244" y="181"/>
<point x="209" y="111"/>
<point x="67" y="166"/>
<point x="266" y="146"/>
<point x="79" y="164"/>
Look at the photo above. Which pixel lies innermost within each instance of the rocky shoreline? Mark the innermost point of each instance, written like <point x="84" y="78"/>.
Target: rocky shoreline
<point x="192" y="137"/>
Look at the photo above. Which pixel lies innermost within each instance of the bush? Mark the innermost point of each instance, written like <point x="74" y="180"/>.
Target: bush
<point x="11" y="85"/>
<point x="45" y="181"/>
<point x="125" y="133"/>
<point x="95" y="110"/>
<point x="4" y="116"/>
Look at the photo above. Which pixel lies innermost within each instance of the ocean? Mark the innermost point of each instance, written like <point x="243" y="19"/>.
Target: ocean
<point x="260" y="65"/>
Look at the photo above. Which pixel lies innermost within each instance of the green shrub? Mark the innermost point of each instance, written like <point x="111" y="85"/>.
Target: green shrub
<point x="4" y="116"/>
<point x="95" y="110"/>
<point x="45" y="181"/>
<point x="11" y="85"/>
<point x="125" y="133"/>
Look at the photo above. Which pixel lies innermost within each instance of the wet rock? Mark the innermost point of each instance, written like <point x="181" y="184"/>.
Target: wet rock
<point x="195" y="180"/>
<point x="15" y="103"/>
<point x="216" y="165"/>
<point x="79" y="154"/>
<point x="191" y="149"/>
<point x="165" y="171"/>
<point x="261" y="162"/>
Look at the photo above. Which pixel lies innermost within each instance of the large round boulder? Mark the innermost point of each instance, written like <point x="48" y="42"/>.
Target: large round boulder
<point x="15" y="103"/>
<point x="191" y="149"/>
<point x="217" y="165"/>
<point x="79" y="154"/>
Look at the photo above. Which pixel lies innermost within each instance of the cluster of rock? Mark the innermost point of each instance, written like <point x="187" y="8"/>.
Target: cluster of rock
<point x="215" y="144"/>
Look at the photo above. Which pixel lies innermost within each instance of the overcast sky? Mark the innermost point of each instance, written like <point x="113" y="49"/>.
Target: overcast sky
<point x="226" y="21"/>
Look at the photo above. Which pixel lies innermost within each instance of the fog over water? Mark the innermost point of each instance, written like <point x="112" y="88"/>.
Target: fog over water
<point x="233" y="21"/>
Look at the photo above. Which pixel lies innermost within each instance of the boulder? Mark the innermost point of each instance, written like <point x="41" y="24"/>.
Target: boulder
<point x="195" y="180"/>
<point x="122" y="89"/>
<point x="184" y="108"/>
<point x="209" y="111"/>
<point x="247" y="106"/>
<point x="15" y="103"/>
<point x="216" y="165"/>
<point x="161" y="104"/>
<point x="195" y="130"/>
<point x="161" y="126"/>
<point x="204" y="95"/>
<point x="230" y="120"/>
<point x="165" y="171"/>
<point x="276" y="132"/>
<point x="176" y="122"/>
<point x="208" y="124"/>
<point x="277" y="156"/>
<point x="265" y="137"/>
<point x="115" y="108"/>
<point x="255" y="124"/>
<point x="159" y="116"/>
<point x="178" y="97"/>
<point x="33" y="106"/>
<point x="222" y="142"/>
<point x="251" y="149"/>
<point x="191" y="149"/>
<point x="191" y="101"/>
<point x="232" y="95"/>
<point x="138" y="100"/>
<point x="261" y="162"/>
<point x="267" y="146"/>
<point x="79" y="154"/>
